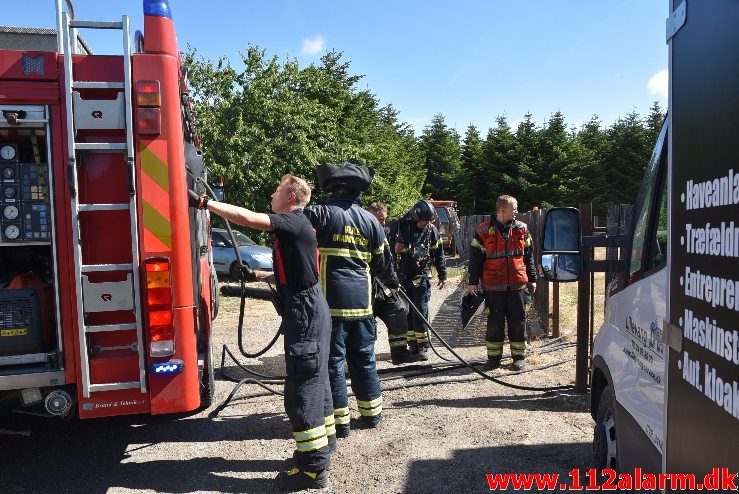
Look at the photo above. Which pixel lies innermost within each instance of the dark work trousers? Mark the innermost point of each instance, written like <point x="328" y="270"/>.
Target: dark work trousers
<point x="393" y="311"/>
<point x="353" y="341"/>
<point x="306" y="326"/>
<point x="502" y="307"/>
<point x="419" y="291"/>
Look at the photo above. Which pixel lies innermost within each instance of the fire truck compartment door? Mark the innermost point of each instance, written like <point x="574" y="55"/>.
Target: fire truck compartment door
<point x="108" y="296"/>
<point x="99" y="113"/>
<point x="26" y="116"/>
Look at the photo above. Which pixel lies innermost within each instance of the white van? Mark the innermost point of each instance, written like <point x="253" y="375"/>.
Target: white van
<point x="665" y="364"/>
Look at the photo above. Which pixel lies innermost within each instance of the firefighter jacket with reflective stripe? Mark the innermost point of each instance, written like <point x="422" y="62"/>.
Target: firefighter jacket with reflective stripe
<point x="501" y="256"/>
<point x="422" y="249"/>
<point x="352" y="249"/>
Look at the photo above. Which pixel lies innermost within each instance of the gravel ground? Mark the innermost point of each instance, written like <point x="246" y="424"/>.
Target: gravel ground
<point x="437" y="438"/>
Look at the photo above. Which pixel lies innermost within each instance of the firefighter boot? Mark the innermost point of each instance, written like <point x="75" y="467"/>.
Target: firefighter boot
<point x="343" y="430"/>
<point x="492" y="363"/>
<point x="401" y="355"/>
<point x="413" y="347"/>
<point x="297" y="480"/>
<point x="370" y="422"/>
<point x="518" y="364"/>
<point x="423" y="351"/>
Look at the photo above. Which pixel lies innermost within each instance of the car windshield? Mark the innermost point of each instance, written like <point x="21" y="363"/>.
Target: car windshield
<point x="241" y="239"/>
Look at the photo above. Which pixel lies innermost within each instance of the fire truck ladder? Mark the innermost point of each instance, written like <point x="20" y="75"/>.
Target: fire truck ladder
<point x="117" y="114"/>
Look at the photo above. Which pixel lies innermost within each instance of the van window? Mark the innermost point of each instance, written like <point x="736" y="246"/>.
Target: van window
<point x="642" y="244"/>
<point x="658" y="256"/>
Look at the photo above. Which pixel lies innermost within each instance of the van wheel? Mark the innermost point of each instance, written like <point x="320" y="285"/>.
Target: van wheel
<point x="605" y="450"/>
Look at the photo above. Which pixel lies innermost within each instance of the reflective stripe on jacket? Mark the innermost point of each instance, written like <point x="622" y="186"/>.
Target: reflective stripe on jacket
<point x="352" y="248"/>
<point x="503" y="267"/>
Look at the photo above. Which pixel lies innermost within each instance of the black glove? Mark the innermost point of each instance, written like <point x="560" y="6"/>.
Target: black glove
<point x="248" y="274"/>
<point x="196" y="201"/>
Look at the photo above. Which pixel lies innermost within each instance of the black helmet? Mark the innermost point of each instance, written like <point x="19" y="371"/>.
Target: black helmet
<point x="422" y="211"/>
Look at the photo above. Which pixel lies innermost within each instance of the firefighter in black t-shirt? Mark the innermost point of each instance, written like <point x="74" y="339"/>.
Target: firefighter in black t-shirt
<point x="306" y="326"/>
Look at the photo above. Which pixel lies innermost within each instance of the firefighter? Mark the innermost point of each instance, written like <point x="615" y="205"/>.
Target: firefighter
<point x="306" y="326"/>
<point x="352" y="249"/>
<point x="502" y="261"/>
<point x="388" y="306"/>
<point x="418" y="246"/>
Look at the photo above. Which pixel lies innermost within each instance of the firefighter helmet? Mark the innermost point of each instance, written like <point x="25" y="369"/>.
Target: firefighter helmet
<point x="423" y="211"/>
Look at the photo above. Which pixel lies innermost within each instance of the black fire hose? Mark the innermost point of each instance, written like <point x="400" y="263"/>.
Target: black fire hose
<point x="481" y="373"/>
<point x="242" y="305"/>
<point x="428" y="383"/>
<point x="240" y="330"/>
<point x="279" y="379"/>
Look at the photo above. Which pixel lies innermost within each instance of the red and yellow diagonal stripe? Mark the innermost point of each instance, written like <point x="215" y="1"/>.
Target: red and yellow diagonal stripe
<point x="155" y="196"/>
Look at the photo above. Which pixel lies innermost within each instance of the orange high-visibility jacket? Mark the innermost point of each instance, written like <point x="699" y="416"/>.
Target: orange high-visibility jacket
<point x="503" y="264"/>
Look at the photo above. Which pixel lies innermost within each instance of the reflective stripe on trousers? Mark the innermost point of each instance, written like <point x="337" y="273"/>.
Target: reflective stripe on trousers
<point x="341" y="415"/>
<point x="397" y="341"/>
<point x="494" y="348"/>
<point x="518" y="348"/>
<point x="330" y="425"/>
<point x="311" y="439"/>
<point x="370" y="408"/>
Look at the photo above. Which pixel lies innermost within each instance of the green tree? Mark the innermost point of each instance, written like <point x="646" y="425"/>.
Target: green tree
<point x="441" y="153"/>
<point x="629" y="149"/>
<point x="654" y="121"/>
<point x="471" y="164"/>
<point x="554" y="155"/>
<point x="274" y="117"/>
<point x="526" y="154"/>
<point x="500" y="166"/>
<point x="582" y="180"/>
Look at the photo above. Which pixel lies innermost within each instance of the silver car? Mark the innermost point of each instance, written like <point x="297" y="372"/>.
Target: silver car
<point x="253" y="255"/>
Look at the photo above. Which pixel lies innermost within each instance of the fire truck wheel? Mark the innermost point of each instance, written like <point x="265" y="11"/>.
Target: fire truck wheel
<point x="207" y="379"/>
<point x="605" y="450"/>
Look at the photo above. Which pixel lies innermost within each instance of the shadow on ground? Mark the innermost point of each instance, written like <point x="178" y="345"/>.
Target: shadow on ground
<point x="91" y="456"/>
<point x="547" y="402"/>
<point x="426" y="476"/>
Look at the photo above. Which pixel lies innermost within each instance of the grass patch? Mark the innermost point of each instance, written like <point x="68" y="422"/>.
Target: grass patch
<point x="568" y="301"/>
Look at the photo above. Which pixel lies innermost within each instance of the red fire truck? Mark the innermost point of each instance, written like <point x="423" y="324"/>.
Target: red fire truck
<point x="107" y="288"/>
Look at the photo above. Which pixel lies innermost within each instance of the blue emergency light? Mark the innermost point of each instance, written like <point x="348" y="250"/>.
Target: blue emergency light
<point x="167" y="368"/>
<point x="159" y="8"/>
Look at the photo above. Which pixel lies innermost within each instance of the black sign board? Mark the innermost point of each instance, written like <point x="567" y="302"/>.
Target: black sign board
<point x="703" y="362"/>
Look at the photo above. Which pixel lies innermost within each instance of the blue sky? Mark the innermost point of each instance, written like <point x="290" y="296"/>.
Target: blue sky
<point x="468" y="60"/>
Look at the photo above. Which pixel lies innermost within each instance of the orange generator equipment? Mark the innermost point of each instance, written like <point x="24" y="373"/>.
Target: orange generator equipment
<point x="107" y="288"/>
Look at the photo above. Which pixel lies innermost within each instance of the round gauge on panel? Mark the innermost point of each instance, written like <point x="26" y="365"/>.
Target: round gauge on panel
<point x="10" y="212"/>
<point x="7" y="152"/>
<point x="12" y="232"/>
<point x="9" y="192"/>
<point x="8" y="173"/>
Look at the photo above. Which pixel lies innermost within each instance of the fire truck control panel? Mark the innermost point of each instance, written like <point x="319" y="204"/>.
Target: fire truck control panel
<point x="25" y="195"/>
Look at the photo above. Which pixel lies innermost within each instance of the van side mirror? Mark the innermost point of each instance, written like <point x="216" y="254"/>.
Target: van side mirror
<point x="561" y="258"/>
